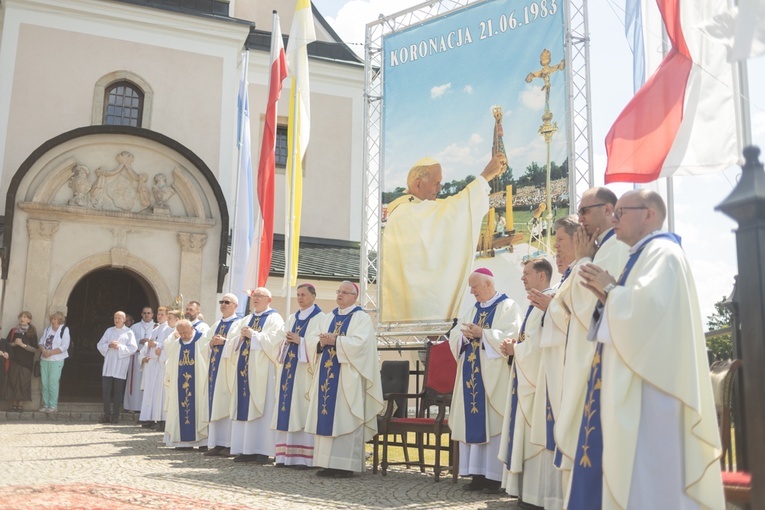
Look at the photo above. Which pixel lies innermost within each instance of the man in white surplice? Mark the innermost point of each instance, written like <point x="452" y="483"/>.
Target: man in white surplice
<point x="153" y="371"/>
<point x="346" y="393"/>
<point x="429" y="245"/>
<point x="480" y="389"/>
<point x="594" y="242"/>
<point x="531" y="466"/>
<point x="251" y="350"/>
<point x="294" y="375"/>
<point x="661" y="443"/>
<point x="218" y="392"/>
<point x="142" y="331"/>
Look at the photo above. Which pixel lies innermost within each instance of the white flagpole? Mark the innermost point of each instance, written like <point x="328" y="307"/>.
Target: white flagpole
<point x="240" y="142"/>
<point x="291" y="197"/>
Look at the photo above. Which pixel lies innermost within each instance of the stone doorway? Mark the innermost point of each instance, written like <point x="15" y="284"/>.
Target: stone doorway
<point x="91" y="306"/>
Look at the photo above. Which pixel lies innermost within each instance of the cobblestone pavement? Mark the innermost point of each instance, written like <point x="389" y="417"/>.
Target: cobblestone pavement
<point x="82" y="456"/>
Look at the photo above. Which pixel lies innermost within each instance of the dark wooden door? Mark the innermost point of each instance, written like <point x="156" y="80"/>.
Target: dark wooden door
<point x="91" y="308"/>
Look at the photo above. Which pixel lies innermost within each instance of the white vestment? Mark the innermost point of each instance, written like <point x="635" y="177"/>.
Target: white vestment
<point x="532" y="475"/>
<point x="200" y="325"/>
<point x="579" y="303"/>
<point x="219" y="428"/>
<point x="359" y="393"/>
<point x="661" y="443"/>
<point x="117" y="361"/>
<point x="153" y="402"/>
<point x="424" y="274"/>
<point x="133" y="384"/>
<point x="495" y="375"/>
<point x="196" y="390"/>
<point x="254" y="435"/>
<point x="295" y="446"/>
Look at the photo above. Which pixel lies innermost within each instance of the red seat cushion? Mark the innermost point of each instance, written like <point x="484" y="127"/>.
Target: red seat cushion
<point x="737" y="478"/>
<point x="416" y="421"/>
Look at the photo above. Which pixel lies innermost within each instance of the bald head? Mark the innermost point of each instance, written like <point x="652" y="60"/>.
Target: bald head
<point x="185" y="329"/>
<point x="637" y="214"/>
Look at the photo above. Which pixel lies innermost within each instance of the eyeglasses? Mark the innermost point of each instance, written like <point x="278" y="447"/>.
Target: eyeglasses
<point x="146" y="313"/>
<point x="619" y="212"/>
<point x="345" y="293"/>
<point x="225" y="302"/>
<point x="583" y="210"/>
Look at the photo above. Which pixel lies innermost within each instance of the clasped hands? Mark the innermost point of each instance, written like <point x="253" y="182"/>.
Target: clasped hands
<point x="218" y="340"/>
<point x="293" y="338"/>
<point x="326" y="339"/>
<point x="470" y="330"/>
<point x="596" y="279"/>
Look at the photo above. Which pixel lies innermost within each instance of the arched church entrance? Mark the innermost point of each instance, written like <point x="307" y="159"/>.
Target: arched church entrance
<point x="91" y="306"/>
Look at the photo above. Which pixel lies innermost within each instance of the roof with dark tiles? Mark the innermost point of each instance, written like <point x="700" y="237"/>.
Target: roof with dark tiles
<point x="320" y="259"/>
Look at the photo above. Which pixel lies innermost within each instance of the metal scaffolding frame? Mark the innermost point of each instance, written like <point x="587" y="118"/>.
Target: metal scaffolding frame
<point x="579" y="136"/>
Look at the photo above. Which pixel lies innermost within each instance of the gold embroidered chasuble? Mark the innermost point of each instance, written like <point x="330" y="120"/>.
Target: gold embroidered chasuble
<point x="197" y="388"/>
<point x="258" y="362"/>
<point x="359" y="393"/>
<point x="657" y="338"/>
<point x="495" y="371"/>
<point x="579" y="303"/>
<point x="304" y="373"/>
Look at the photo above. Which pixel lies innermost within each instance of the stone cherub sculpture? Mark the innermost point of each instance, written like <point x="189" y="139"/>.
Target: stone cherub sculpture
<point x="80" y="184"/>
<point x="162" y="192"/>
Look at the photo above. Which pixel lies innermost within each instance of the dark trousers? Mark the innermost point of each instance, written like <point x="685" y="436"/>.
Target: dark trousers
<point x="118" y="385"/>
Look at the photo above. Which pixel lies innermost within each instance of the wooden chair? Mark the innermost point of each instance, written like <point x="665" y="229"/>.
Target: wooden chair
<point x="736" y="484"/>
<point x="438" y="384"/>
<point x="394" y="378"/>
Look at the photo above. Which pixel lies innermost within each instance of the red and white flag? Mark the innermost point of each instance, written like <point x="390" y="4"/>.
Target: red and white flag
<point x="259" y="261"/>
<point x="683" y="120"/>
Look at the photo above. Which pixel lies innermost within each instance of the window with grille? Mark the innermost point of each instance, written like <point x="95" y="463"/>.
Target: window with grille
<point x="123" y="105"/>
<point x="281" y="146"/>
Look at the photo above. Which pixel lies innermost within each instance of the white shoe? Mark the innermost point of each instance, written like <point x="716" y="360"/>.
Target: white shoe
<point x="51" y="410"/>
<point x="44" y="409"/>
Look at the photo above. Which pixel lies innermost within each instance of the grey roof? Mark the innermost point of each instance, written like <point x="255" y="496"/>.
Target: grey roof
<point x="320" y="259"/>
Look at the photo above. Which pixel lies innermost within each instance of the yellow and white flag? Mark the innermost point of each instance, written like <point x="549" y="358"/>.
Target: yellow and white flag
<point x="301" y="34"/>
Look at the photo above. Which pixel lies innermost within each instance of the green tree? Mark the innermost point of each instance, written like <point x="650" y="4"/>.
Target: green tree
<point x="721" y="346"/>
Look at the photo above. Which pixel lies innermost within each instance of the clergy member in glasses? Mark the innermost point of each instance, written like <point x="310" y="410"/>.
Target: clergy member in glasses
<point x="217" y="391"/>
<point x="594" y="242"/>
<point x="652" y="440"/>
<point x="346" y="393"/>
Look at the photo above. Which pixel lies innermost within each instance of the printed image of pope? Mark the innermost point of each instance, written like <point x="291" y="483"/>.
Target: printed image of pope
<point x="428" y="244"/>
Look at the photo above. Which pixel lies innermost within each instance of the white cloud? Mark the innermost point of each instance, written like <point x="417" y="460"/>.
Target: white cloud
<point x="533" y="97"/>
<point x="350" y="22"/>
<point x="475" y="138"/>
<point x="468" y="89"/>
<point x="440" y="90"/>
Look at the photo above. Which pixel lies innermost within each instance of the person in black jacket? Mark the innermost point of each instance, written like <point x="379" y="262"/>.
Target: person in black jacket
<point x="23" y="341"/>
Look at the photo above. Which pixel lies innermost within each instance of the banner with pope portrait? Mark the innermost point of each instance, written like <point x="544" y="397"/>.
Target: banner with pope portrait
<point x="457" y="89"/>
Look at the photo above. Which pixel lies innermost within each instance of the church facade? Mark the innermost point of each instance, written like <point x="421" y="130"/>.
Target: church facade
<point x="118" y="127"/>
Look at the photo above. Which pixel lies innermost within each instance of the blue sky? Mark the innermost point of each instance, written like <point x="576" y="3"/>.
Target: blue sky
<point x="440" y="106"/>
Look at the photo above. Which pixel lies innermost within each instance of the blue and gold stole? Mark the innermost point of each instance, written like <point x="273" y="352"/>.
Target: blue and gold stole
<point x="558" y="460"/>
<point x="514" y="392"/>
<point x="473" y="392"/>
<point x="329" y="375"/>
<point x="243" y="368"/>
<point x="587" y="475"/>
<point x="186" y="387"/>
<point x="212" y="370"/>
<point x="288" y="371"/>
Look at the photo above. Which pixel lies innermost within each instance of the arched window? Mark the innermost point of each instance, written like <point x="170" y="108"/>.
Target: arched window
<point x="122" y="98"/>
<point x="123" y="104"/>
